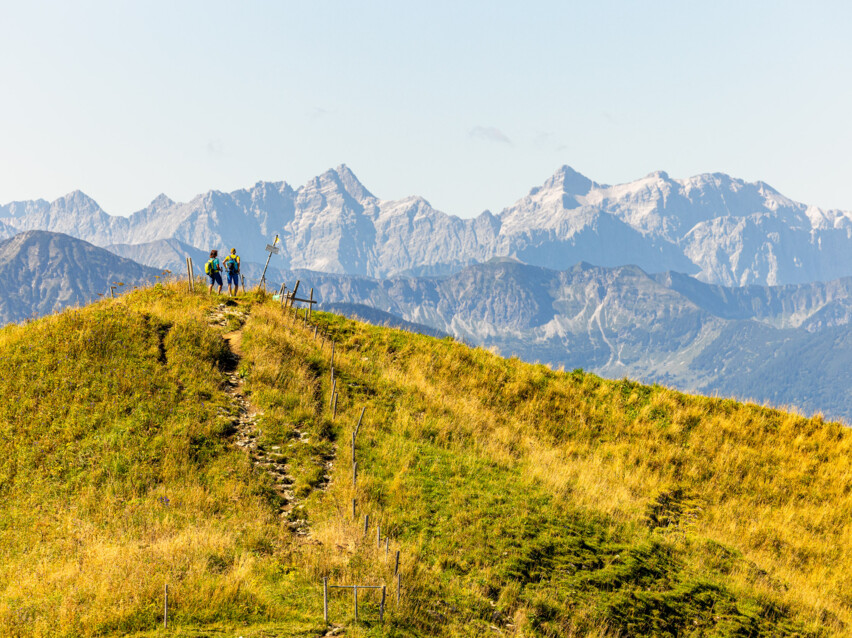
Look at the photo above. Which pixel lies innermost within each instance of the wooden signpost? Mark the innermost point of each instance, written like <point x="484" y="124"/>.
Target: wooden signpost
<point x="272" y="249"/>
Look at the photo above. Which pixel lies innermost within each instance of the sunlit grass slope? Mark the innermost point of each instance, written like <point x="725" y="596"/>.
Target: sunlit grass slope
<point x="579" y="505"/>
<point x="523" y="500"/>
<point x="117" y="478"/>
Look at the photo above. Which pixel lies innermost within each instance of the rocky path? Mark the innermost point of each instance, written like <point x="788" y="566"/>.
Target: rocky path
<point x="272" y="461"/>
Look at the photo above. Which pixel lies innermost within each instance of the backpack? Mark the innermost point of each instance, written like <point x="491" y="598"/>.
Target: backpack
<point x="211" y="267"/>
<point x="231" y="264"/>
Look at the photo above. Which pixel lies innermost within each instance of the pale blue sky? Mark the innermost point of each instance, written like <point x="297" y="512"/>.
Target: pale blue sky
<point x="468" y="104"/>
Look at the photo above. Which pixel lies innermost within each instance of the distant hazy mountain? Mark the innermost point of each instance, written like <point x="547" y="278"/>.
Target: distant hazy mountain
<point x="42" y="272"/>
<point x="788" y="345"/>
<point x="719" y="229"/>
<point x="162" y="254"/>
<point x="171" y="254"/>
<point x="380" y="318"/>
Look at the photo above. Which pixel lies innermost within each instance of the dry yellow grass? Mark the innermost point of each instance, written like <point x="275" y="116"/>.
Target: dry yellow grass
<point x="773" y="486"/>
<point x="540" y="502"/>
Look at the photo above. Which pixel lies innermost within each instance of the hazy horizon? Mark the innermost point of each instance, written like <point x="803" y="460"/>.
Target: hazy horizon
<point x="466" y="105"/>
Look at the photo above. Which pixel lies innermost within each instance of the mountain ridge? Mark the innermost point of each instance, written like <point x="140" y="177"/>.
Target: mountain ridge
<point x="666" y="328"/>
<point x="44" y="272"/>
<point x="616" y="321"/>
<point x="721" y="229"/>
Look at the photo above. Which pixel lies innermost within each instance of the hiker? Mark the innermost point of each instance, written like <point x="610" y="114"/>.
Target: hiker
<point x="213" y="269"/>
<point x="232" y="267"/>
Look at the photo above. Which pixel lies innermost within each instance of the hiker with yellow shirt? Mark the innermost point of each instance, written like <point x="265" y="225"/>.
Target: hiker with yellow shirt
<point x="232" y="267"/>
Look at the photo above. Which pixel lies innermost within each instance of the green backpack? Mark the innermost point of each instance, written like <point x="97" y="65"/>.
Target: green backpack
<point x="211" y="267"/>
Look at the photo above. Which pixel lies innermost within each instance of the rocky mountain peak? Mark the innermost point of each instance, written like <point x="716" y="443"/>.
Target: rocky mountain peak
<point x="78" y="200"/>
<point x="569" y="181"/>
<point x="262" y="186"/>
<point x="658" y="175"/>
<point x="351" y="183"/>
<point x="160" y="201"/>
<point x="341" y="180"/>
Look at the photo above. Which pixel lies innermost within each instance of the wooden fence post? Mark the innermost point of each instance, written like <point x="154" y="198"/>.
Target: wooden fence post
<point x="379" y="535"/>
<point x="382" y="606"/>
<point x="325" y="598"/>
<point x="166" y="608"/>
<point x="355" y="590"/>
<point x="366" y="523"/>
<point x="333" y="392"/>
<point x="311" y="305"/>
<point x="357" y="427"/>
<point x="292" y="298"/>
<point x="334" y="408"/>
<point x="189" y="274"/>
<point x="398" y="580"/>
<point x="354" y="516"/>
<point x="396" y="567"/>
<point x="354" y="473"/>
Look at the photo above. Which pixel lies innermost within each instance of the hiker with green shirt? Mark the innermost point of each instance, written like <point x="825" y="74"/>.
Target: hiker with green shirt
<point x="213" y="269"/>
<point x="232" y="267"/>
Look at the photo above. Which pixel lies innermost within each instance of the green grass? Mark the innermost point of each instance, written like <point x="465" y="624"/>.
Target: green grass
<point x="521" y="499"/>
<point x="117" y="478"/>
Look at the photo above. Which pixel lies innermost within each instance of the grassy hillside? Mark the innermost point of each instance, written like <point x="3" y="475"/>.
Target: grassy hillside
<point x="523" y="501"/>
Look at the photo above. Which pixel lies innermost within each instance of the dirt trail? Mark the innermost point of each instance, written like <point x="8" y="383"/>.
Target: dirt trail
<point x="271" y="461"/>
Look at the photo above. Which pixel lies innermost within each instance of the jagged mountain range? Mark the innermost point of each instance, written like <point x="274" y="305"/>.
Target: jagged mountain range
<point x="720" y="229"/>
<point x="787" y="345"/>
<point x="43" y="272"/>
